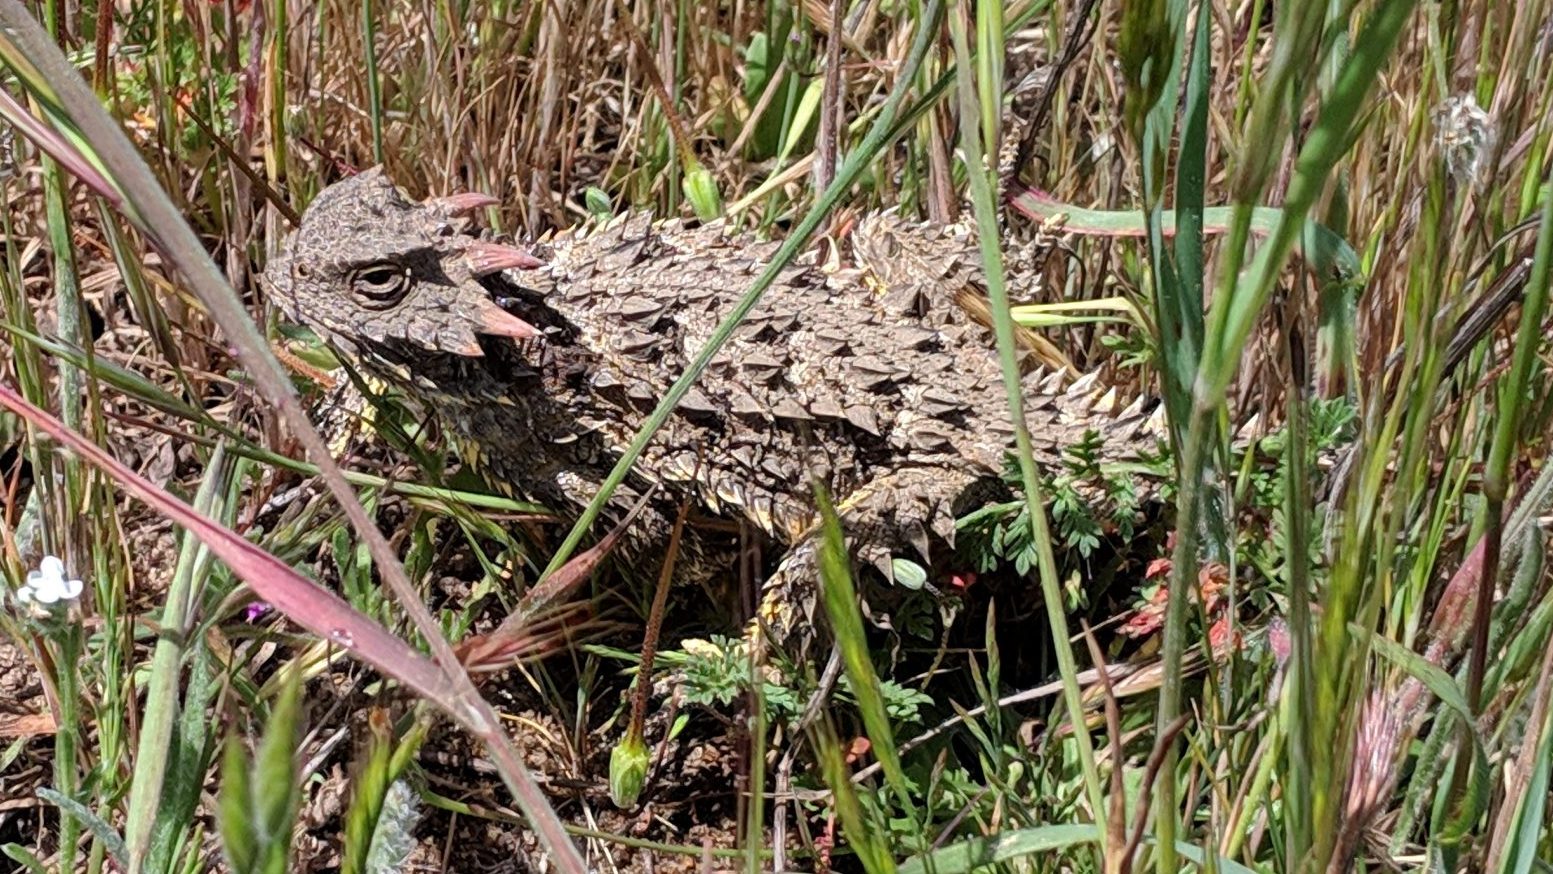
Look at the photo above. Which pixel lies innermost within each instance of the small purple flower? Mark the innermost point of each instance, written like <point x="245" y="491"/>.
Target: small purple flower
<point x="256" y="610"/>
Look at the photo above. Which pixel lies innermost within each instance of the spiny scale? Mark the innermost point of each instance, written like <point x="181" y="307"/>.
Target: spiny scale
<point x="869" y="376"/>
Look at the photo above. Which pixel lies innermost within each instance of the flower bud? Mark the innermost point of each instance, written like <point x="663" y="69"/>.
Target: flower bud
<point x="627" y="770"/>
<point x="701" y="191"/>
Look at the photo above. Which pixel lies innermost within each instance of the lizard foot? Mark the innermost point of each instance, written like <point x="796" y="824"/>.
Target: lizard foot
<point x="900" y="514"/>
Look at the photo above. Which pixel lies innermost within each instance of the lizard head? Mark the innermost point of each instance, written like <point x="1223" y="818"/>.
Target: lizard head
<point x="369" y="266"/>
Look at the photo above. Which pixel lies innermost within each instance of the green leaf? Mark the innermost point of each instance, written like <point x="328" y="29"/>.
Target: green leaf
<point x="757" y="65"/>
<point x="155" y="752"/>
<point x="276" y="793"/>
<point x="966" y="856"/>
<point x="235" y="816"/>
<point x="969" y="855"/>
<point x="1474" y="800"/>
<point x="24" y="856"/>
<point x="105" y="833"/>
<point x="1432" y="676"/>
<point x="368" y="789"/>
<point x="807" y="106"/>
<point x="908" y="574"/>
<point x="681" y="722"/>
<point x="840" y="598"/>
<point x="1531" y="807"/>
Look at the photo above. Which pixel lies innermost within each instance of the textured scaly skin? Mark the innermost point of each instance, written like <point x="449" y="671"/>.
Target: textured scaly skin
<point x="869" y="375"/>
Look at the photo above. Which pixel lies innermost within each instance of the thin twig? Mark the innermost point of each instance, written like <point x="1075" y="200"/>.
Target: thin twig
<point x="826" y="145"/>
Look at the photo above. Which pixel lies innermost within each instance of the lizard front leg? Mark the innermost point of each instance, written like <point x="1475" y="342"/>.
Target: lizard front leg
<point x="900" y="512"/>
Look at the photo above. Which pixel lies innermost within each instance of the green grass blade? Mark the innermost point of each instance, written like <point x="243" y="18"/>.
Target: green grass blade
<point x="275" y="790"/>
<point x="24" y="857"/>
<point x="161" y="710"/>
<point x="840" y="598"/>
<point x="1530" y="809"/>
<point x="234" y="814"/>
<point x="1322" y="247"/>
<point x="50" y="77"/>
<point x="1328" y="140"/>
<point x="850" y="171"/>
<point x="83" y="815"/>
<point x="1003" y="323"/>
<point x="374" y="85"/>
<point x="975" y="854"/>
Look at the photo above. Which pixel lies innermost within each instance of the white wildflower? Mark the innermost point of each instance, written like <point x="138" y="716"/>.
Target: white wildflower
<point x="48" y="584"/>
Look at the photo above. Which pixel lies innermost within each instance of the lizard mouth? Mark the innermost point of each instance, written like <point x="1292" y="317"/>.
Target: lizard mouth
<point x="484" y="258"/>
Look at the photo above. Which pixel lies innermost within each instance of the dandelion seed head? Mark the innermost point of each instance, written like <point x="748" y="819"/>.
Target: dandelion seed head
<point x="1464" y="136"/>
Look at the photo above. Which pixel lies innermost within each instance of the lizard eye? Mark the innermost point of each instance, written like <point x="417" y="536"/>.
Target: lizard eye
<point x="381" y="286"/>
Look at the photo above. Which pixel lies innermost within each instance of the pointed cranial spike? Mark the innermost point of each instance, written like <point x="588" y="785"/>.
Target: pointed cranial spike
<point x="461" y="204"/>
<point x="484" y="258"/>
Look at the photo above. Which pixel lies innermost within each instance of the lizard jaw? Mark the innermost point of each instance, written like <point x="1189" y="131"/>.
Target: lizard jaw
<point x="497" y="322"/>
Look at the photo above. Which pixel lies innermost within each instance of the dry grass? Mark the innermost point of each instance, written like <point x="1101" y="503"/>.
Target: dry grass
<point x="539" y="103"/>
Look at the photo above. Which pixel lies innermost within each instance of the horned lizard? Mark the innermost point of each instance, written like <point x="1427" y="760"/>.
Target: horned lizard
<point x="868" y="374"/>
